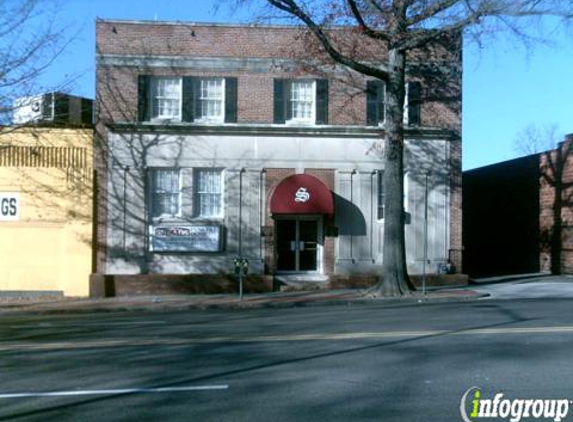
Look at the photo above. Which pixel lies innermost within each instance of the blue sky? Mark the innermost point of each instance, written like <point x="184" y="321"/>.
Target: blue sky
<point x="505" y="87"/>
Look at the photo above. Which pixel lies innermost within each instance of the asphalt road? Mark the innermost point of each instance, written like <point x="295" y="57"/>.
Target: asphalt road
<point x="335" y="363"/>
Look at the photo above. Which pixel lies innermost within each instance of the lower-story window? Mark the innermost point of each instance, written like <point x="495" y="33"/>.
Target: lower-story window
<point x="165" y="192"/>
<point x="208" y="193"/>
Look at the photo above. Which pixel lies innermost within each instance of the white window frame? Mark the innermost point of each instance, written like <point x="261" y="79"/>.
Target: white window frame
<point x="197" y="202"/>
<point x="199" y="95"/>
<point x="153" y="192"/>
<point x="382" y="87"/>
<point x="153" y="98"/>
<point x="298" y="120"/>
<point x="406" y="117"/>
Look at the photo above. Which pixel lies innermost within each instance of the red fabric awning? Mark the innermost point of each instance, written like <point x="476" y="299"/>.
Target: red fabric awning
<point x="302" y="194"/>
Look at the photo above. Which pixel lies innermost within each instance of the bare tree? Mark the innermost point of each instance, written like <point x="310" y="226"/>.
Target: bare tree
<point x="31" y="39"/>
<point x="400" y="27"/>
<point x="534" y="139"/>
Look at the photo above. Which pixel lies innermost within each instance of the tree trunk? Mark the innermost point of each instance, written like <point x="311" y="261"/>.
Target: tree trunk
<point x="394" y="280"/>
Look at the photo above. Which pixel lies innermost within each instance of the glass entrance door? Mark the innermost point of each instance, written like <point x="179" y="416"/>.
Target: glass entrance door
<point x="297" y="244"/>
<point x="286" y="248"/>
<point x="307" y="245"/>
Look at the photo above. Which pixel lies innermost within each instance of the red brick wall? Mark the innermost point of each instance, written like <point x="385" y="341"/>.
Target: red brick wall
<point x="212" y="40"/>
<point x="117" y="86"/>
<point x="546" y="202"/>
<point x="272" y="178"/>
<point x="456" y="244"/>
<point x="326" y="176"/>
<point x="555" y="210"/>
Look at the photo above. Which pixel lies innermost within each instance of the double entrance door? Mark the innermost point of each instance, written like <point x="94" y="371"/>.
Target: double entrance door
<point x="297" y="244"/>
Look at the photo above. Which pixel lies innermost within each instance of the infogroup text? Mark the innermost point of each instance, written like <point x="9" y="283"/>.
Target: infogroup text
<point x="474" y="407"/>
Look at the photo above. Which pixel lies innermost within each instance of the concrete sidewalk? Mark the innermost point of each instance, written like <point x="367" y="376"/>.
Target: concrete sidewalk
<point x="224" y="301"/>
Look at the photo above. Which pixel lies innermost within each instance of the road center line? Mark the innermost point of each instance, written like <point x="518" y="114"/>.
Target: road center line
<point x="72" y="345"/>
<point x="113" y="391"/>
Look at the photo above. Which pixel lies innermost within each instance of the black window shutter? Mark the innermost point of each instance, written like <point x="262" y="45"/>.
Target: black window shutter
<point x="287" y="99"/>
<point x="322" y="102"/>
<point x="230" y="100"/>
<point x="372" y="103"/>
<point x="279" y="101"/>
<point x="188" y="97"/>
<point x="197" y="105"/>
<point x="143" y="114"/>
<point x="414" y="100"/>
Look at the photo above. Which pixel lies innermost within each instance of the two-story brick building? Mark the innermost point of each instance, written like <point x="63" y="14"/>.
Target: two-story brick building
<point x="218" y="142"/>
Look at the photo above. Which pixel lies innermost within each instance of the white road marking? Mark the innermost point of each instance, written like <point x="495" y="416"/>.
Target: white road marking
<point x="113" y="392"/>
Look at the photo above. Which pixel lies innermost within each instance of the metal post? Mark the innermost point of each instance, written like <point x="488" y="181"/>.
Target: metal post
<point x="241" y="213"/>
<point x="241" y="233"/>
<point x="425" y="235"/>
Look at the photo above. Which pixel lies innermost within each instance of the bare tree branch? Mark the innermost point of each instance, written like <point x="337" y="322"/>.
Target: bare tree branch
<point x="32" y="37"/>
<point x="430" y="11"/>
<point x="293" y="8"/>
<point x="366" y="30"/>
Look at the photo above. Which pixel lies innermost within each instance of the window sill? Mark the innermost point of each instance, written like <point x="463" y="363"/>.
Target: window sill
<point x="207" y="220"/>
<point x="209" y="121"/>
<point x="164" y="120"/>
<point x="300" y="123"/>
<point x="179" y="122"/>
<point x="187" y="220"/>
<point x="167" y="219"/>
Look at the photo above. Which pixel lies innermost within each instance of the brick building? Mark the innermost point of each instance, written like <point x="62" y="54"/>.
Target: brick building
<point x="518" y="215"/>
<point x="220" y="141"/>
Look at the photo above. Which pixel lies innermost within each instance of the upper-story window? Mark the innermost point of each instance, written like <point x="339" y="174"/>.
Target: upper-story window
<point x="165" y="98"/>
<point x="187" y="99"/>
<point x="301" y="101"/>
<point x="376" y="103"/>
<point x="211" y="99"/>
<point x="412" y="103"/>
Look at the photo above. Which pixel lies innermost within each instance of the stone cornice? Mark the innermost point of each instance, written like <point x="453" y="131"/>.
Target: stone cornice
<point x="278" y="130"/>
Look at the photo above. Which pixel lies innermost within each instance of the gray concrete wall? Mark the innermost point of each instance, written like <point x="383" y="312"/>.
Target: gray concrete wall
<point x="243" y="158"/>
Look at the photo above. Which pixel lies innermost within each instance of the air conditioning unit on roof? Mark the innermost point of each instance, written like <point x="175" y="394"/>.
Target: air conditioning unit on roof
<point x="53" y="107"/>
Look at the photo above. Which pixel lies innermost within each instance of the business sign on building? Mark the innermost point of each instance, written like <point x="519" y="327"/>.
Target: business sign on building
<point x="185" y="238"/>
<point x="9" y="206"/>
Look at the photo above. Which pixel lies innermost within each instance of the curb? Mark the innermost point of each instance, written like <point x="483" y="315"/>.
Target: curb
<point x="163" y="306"/>
<point x="483" y="281"/>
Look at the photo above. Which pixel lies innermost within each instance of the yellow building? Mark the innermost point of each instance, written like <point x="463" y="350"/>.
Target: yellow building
<point x="46" y="208"/>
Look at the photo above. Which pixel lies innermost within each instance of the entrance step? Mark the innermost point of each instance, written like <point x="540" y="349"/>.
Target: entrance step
<point x="300" y="282"/>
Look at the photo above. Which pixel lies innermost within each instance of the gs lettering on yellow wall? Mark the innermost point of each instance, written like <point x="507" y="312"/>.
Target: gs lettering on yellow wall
<point x="9" y="206"/>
